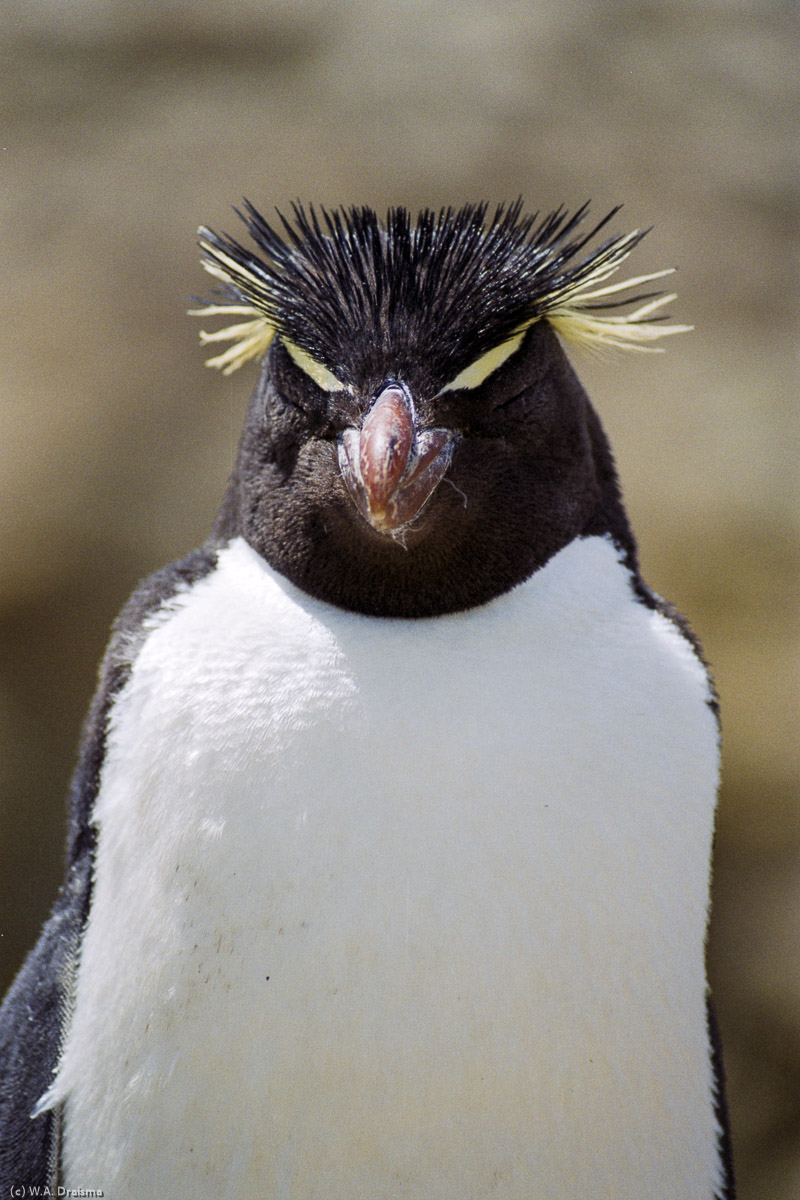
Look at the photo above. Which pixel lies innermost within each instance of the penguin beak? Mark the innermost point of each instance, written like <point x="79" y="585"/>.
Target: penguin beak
<point x="390" y="467"/>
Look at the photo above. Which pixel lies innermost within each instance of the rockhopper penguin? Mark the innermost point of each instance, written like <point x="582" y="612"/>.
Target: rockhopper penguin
<point x="390" y="835"/>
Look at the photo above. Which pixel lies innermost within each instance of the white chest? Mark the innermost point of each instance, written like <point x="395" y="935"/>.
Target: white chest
<point x="390" y="908"/>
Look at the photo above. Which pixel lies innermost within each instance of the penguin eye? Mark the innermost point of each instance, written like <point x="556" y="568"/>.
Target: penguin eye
<point x="475" y="374"/>
<point x="318" y="373"/>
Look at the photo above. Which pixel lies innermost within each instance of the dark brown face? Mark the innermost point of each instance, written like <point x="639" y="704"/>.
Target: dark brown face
<point x="408" y="497"/>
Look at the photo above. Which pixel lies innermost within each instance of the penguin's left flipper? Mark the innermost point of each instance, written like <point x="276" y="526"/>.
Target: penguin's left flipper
<point x="33" y="1021"/>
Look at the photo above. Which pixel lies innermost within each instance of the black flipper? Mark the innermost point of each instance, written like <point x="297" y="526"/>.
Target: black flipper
<point x="35" y="1015"/>
<point x="33" y="1019"/>
<point x="721" y="1108"/>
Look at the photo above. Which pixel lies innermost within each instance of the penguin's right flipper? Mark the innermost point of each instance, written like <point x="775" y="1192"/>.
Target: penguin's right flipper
<point x="35" y="1015"/>
<point x="33" y="1023"/>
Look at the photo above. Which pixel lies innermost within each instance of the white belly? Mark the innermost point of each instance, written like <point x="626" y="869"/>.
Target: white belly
<point x="399" y="909"/>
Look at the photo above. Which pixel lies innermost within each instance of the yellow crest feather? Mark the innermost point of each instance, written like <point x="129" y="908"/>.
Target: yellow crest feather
<point x="574" y="297"/>
<point x="575" y="312"/>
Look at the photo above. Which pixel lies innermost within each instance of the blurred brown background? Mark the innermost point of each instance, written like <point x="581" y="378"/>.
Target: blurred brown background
<point x="125" y="126"/>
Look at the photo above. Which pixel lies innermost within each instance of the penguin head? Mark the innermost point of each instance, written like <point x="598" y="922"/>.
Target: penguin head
<point x="417" y="442"/>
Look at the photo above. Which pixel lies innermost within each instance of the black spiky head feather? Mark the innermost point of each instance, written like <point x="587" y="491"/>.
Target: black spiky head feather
<point x="359" y="296"/>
